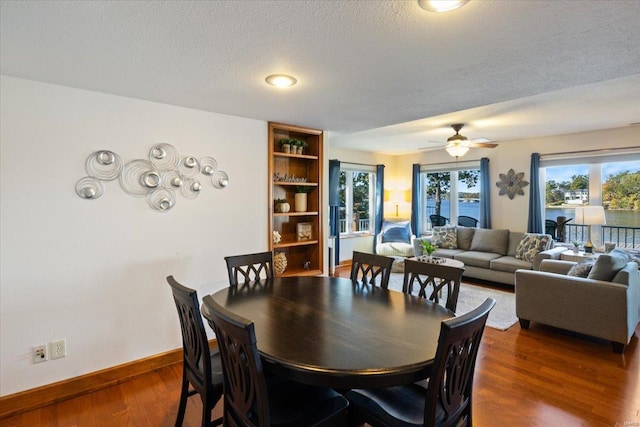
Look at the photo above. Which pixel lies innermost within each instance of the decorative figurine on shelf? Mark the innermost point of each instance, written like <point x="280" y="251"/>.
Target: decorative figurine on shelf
<point x="279" y="258"/>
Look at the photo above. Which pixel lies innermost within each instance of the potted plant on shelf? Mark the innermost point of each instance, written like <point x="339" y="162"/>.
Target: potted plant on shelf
<point x="282" y="206"/>
<point x="300" y="201"/>
<point x="301" y="146"/>
<point x="285" y="145"/>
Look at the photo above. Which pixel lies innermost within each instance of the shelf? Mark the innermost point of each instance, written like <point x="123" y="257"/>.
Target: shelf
<point x="294" y="244"/>
<point x="301" y="184"/>
<point x="295" y="214"/>
<point x="296" y="156"/>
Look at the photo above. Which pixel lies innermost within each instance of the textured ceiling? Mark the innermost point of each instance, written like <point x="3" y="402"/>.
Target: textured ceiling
<point x="381" y="75"/>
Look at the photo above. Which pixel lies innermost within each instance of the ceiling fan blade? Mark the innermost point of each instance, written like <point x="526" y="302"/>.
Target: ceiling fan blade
<point x="482" y="144"/>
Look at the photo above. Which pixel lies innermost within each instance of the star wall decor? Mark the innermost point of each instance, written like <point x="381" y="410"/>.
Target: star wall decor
<point x="511" y="184"/>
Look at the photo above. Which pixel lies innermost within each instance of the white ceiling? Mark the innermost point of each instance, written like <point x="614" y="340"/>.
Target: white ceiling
<point x="380" y="75"/>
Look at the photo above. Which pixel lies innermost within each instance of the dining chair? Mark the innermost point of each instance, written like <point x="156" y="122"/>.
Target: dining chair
<point x="367" y="268"/>
<point x="201" y="367"/>
<point x="251" y="400"/>
<point x="438" y="220"/>
<point x="447" y="399"/>
<point x="438" y="276"/>
<point x="467" y="221"/>
<point x="252" y="267"/>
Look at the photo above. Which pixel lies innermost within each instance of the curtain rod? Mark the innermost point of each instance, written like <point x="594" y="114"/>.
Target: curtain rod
<point x="354" y="163"/>
<point x="597" y="150"/>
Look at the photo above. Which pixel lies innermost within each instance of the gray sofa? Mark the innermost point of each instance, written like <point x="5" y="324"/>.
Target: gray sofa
<point x="487" y="254"/>
<point x="607" y="309"/>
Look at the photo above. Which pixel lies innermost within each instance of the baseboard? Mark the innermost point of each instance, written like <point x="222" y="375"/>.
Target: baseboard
<point x="27" y="400"/>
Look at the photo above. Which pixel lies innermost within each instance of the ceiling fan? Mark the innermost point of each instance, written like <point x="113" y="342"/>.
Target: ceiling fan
<point x="458" y="145"/>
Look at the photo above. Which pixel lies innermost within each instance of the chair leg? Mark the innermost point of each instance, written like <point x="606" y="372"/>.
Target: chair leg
<point x="184" y="395"/>
<point x="524" y="323"/>
<point x="618" y="347"/>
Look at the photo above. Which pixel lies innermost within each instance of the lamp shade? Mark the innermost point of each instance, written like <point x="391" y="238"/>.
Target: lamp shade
<point x="590" y="215"/>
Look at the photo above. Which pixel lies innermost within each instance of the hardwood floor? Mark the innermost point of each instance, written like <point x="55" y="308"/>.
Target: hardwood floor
<point x="540" y="377"/>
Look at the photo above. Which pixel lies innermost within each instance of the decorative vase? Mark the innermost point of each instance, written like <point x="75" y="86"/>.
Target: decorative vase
<point x="576" y="249"/>
<point x="300" y="204"/>
<point x="283" y="207"/>
<point x="286" y="148"/>
<point x="279" y="263"/>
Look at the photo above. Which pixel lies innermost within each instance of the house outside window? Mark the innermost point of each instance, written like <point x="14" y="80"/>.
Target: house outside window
<point x="450" y="191"/>
<point x="606" y="181"/>
<point x="357" y="199"/>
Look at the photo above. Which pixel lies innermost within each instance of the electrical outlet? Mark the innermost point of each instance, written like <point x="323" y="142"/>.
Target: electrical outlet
<point x="58" y="348"/>
<point x="39" y="353"/>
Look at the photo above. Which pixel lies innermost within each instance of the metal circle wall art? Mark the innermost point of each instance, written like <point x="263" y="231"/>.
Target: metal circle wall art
<point x="164" y="156"/>
<point x="159" y="178"/>
<point x="104" y="165"/>
<point x="89" y="188"/>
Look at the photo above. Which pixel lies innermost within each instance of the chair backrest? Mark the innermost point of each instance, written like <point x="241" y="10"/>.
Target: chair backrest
<point x="451" y="380"/>
<point x="438" y="220"/>
<point x="246" y="401"/>
<point x="197" y="357"/>
<point x="550" y="227"/>
<point x="467" y="221"/>
<point x="436" y="275"/>
<point x="252" y="267"/>
<point x="368" y="268"/>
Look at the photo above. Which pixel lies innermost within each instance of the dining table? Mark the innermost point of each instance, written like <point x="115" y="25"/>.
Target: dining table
<point x="334" y="332"/>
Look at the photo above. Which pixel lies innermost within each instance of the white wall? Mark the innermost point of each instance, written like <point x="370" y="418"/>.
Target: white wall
<point x="508" y="213"/>
<point x="93" y="271"/>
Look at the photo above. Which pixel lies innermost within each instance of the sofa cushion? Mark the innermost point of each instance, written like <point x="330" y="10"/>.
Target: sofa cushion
<point x="532" y="244"/>
<point x="510" y="264"/>
<point x="582" y="268"/>
<point x="493" y="241"/>
<point x="607" y="265"/>
<point x="465" y="236"/>
<point x="396" y="232"/>
<point x="448" y="253"/>
<point x="445" y="237"/>
<point x="477" y="259"/>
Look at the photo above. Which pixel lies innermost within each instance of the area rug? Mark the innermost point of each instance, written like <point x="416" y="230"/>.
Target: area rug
<point x="503" y="315"/>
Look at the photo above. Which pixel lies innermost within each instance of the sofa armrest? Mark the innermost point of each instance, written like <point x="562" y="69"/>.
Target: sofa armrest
<point x="553" y="253"/>
<point x="556" y="266"/>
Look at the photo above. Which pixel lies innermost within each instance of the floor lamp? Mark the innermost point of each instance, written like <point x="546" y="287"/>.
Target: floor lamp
<point x="590" y="215"/>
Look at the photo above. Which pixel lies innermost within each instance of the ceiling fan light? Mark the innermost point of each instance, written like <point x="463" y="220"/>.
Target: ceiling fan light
<point x="456" y="150"/>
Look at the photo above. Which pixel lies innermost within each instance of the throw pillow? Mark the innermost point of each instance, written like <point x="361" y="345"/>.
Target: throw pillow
<point x="396" y="232"/>
<point x="531" y="245"/>
<point x="607" y="265"/>
<point x="465" y="236"/>
<point x="493" y="241"/>
<point x="582" y="268"/>
<point x="445" y="237"/>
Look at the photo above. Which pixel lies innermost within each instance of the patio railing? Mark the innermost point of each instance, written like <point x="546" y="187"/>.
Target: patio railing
<point x="622" y="236"/>
<point x="361" y="226"/>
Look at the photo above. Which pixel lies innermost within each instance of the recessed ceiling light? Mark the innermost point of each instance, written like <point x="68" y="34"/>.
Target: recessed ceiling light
<point x="441" y="5"/>
<point x="281" y="80"/>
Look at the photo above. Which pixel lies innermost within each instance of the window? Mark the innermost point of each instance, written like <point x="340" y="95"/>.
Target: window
<point x="599" y="181"/>
<point x="357" y="200"/>
<point x="450" y="191"/>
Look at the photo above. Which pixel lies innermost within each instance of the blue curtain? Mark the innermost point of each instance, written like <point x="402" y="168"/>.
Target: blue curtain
<point x="416" y="202"/>
<point x="334" y="206"/>
<point x="534" y="225"/>
<point x="379" y="202"/>
<point x="485" y="194"/>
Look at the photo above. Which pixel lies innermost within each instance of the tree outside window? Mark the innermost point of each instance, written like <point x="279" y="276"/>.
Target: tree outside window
<point x="356" y="201"/>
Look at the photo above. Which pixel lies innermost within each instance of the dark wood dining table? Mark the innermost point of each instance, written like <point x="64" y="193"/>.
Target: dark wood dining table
<point x="329" y="331"/>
